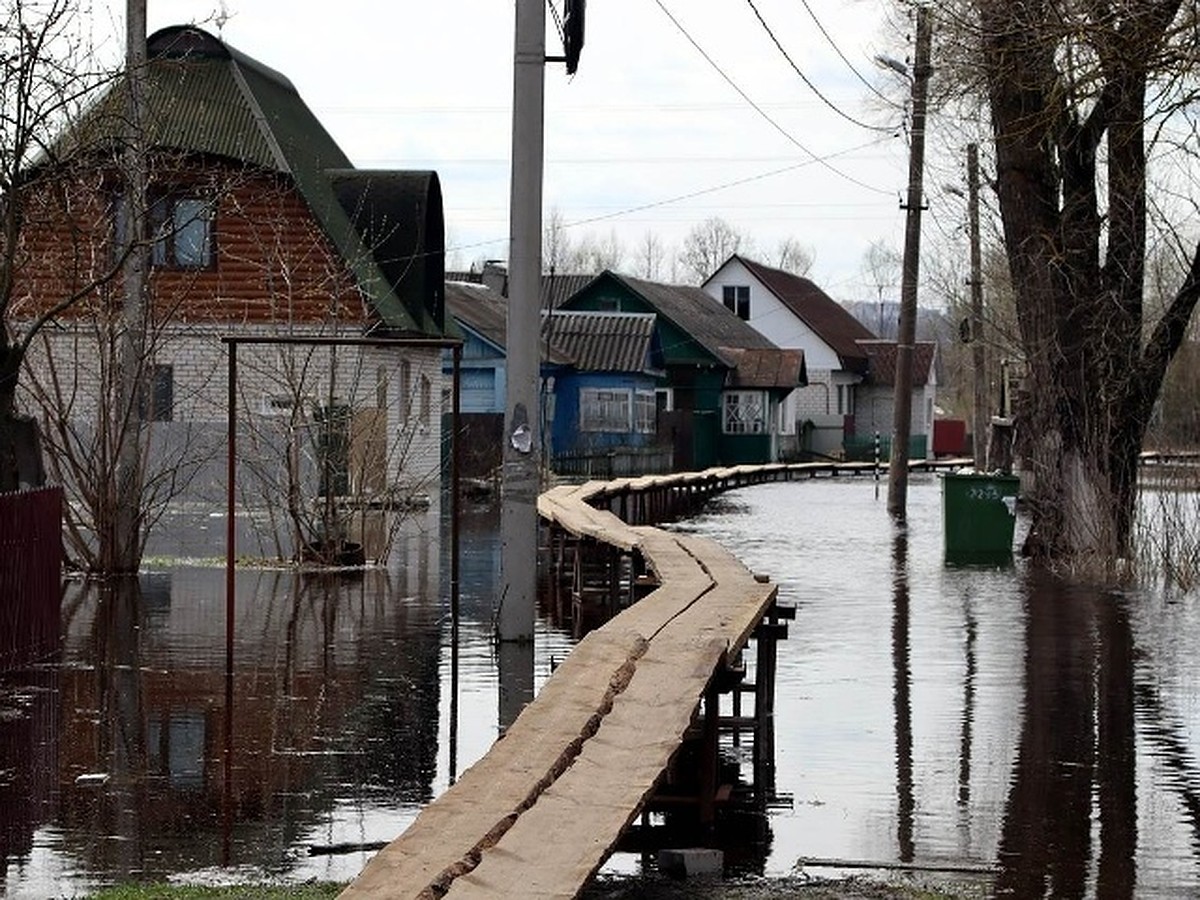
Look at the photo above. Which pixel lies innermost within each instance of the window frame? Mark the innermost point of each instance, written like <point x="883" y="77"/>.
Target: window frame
<point x="156" y="400"/>
<point x="167" y="231"/>
<point x="736" y="298"/>
<point x="733" y="420"/>
<point x="598" y="410"/>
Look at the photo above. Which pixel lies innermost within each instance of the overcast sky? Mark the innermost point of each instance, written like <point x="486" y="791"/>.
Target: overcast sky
<point x="648" y="136"/>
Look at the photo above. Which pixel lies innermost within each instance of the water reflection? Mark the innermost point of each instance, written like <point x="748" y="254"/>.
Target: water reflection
<point x="1044" y="735"/>
<point x="972" y="718"/>
<point x="1076" y="748"/>
<point x="902" y="699"/>
<point x="139" y="756"/>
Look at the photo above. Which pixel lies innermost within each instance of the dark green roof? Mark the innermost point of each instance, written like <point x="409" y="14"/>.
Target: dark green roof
<point x="692" y="310"/>
<point x="205" y="97"/>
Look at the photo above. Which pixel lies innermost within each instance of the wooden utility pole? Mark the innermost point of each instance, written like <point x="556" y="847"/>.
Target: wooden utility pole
<point x="522" y="428"/>
<point x="902" y="423"/>
<point x="979" y="422"/>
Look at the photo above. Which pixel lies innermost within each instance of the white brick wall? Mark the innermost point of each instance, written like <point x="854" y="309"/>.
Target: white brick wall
<point x="200" y="369"/>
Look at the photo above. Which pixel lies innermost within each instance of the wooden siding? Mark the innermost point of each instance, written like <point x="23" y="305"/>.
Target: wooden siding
<point x="273" y="262"/>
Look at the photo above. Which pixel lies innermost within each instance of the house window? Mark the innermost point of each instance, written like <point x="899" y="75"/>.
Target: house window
<point x="737" y="300"/>
<point x="604" y="410"/>
<point x="406" y="398"/>
<point x="157" y="400"/>
<point x="645" y="412"/>
<point x="426" y="401"/>
<point x="182" y="229"/>
<point x="745" y="412"/>
<point x="845" y="399"/>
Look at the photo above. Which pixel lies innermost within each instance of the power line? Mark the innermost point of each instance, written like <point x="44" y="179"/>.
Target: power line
<point x="812" y="87"/>
<point x="690" y="195"/>
<point x="836" y="49"/>
<point x="783" y="131"/>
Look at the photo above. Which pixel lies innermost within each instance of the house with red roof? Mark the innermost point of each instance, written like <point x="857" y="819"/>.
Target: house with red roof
<point x="845" y="400"/>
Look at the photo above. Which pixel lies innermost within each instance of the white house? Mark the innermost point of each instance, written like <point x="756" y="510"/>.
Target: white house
<point x="796" y="314"/>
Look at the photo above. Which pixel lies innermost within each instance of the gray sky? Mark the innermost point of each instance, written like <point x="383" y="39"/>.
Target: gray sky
<point x="648" y="136"/>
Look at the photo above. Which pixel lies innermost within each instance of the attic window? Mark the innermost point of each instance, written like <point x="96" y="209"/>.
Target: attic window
<point x="737" y="300"/>
<point x="182" y="229"/>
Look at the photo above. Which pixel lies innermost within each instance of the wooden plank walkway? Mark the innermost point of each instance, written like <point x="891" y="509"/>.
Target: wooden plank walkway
<point x="542" y="810"/>
<point x="582" y="757"/>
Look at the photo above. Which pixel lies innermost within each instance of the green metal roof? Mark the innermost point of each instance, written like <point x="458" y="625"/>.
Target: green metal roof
<point x="205" y="97"/>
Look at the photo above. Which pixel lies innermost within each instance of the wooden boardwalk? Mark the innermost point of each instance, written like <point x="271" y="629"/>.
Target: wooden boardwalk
<point x="543" y="809"/>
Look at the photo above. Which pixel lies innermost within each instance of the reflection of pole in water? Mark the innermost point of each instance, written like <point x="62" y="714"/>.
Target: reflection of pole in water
<point x="516" y="679"/>
<point x="902" y="698"/>
<point x="968" y="719"/>
<point x="454" y="692"/>
<point x="121" y="704"/>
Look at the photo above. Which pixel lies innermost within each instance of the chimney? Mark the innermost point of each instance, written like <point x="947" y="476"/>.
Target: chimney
<point x="495" y="276"/>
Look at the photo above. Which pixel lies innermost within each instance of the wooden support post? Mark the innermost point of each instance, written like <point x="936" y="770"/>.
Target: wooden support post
<point x="767" y="637"/>
<point x="709" y="755"/>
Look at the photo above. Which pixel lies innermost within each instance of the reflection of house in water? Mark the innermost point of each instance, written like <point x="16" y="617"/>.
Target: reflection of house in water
<point x="335" y="700"/>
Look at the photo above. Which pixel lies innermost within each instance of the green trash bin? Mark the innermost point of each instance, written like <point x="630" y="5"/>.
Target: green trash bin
<point x="979" y="513"/>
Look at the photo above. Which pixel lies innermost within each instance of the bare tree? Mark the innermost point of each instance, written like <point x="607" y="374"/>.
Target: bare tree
<point x="556" y="243"/>
<point x="596" y="254"/>
<point x="46" y="77"/>
<point x="650" y="256"/>
<point x="1081" y="99"/>
<point x="794" y="257"/>
<point x="708" y="245"/>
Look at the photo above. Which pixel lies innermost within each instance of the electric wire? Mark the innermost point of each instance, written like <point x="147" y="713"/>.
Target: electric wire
<point x="691" y="194"/>
<point x="812" y="87"/>
<point x="838" y="50"/>
<point x="763" y="113"/>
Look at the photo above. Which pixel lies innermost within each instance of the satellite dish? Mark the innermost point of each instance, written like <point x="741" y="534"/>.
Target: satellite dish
<point x="573" y="32"/>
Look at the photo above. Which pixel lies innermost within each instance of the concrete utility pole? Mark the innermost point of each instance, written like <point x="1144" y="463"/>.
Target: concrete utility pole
<point x="979" y="422"/>
<point x="522" y="429"/>
<point x="123" y="542"/>
<point x="902" y="424"/>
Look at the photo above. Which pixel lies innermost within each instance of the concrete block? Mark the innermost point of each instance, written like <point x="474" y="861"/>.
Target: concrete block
<point x="690" y="862"/>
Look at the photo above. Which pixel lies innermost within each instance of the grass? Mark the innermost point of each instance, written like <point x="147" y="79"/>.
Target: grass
<point x="316" y="890"/>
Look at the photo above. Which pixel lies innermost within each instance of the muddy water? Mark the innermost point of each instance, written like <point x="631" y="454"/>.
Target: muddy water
<point x="973" y="718"/>
<point x="959" y="717"/>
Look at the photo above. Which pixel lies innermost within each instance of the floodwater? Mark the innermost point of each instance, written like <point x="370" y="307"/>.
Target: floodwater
<point x="971" y="719"/>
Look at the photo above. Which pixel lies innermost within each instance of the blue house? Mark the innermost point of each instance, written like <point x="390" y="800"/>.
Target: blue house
<point x="724" y="384"/>
<point x="604" y="398"/>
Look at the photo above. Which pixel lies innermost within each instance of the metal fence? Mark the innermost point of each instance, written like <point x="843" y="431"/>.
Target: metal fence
<point x="31" y="556"/>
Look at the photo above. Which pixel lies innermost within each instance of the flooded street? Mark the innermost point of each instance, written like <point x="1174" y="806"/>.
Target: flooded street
<point x="965" y="718"/>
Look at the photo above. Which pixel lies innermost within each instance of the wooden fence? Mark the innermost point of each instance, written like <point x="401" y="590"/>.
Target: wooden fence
<point x="31" y="557"/>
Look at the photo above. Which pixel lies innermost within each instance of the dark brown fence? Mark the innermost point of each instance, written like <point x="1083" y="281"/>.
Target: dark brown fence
<point x="30" y="575"/>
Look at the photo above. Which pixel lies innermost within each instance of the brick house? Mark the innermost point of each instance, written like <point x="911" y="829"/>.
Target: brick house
<point x="260" y="226"/>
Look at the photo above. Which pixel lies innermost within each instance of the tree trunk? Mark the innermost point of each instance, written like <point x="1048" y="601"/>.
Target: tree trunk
<point x="1092" y="379"/>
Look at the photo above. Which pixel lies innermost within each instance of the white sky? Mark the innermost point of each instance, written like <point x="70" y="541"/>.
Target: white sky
<point x="644" y="121"/>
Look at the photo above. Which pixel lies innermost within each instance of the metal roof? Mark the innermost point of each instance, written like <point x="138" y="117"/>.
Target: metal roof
<point x="485" y="311"/>
<point x="832" y="322"/>
<point x="205" y="97"/>
<point x="882" y="357"/>
<point x="773" y="368"/>
<point x="605" y="341"/>
<point x="691" y="309"/>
